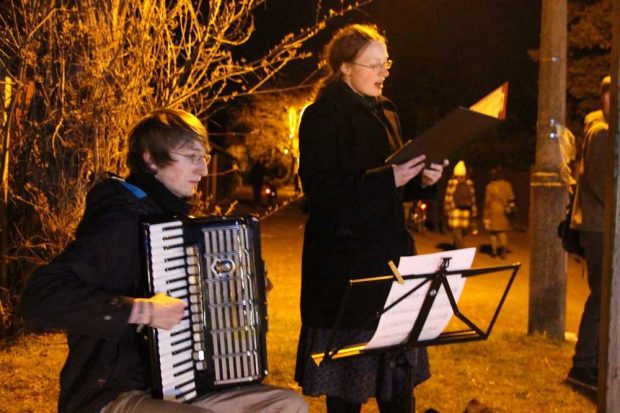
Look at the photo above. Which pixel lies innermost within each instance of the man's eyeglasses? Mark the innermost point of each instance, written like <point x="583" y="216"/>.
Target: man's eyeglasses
<point x="377" y="67"/>
<point x="195" y="158"/>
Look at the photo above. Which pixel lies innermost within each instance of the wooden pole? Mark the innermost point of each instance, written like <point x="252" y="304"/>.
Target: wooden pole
<point x="548" y="195"/>
<point x="609" y="353"/>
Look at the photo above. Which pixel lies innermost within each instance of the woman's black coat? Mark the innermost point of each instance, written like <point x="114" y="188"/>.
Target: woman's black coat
<point x="356" y="222"/>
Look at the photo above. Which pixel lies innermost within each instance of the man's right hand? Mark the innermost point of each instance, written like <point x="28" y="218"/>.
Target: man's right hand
<point x="159" y="311"/>
<point x="167" y="311"/>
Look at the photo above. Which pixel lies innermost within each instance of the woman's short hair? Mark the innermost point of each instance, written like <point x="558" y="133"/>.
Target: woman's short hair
<point x="345" y="46"/>
<point x="159" y="133"/>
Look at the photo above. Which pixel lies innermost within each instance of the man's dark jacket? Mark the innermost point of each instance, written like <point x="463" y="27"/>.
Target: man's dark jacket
<point x="356" y="222"/>
<point x="87" y="291"/>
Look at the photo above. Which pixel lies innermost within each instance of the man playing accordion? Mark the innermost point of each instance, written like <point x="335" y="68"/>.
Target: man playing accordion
<point x="94" y="289"/>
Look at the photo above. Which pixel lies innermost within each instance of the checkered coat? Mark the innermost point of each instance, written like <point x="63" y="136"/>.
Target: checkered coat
<point x="457" y="217"/>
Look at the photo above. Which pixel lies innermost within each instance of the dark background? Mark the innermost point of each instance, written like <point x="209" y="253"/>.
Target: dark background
<point x="446" y="53"/>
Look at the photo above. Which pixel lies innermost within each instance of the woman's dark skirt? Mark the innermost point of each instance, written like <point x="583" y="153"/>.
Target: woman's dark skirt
<point x="356" y="379"/>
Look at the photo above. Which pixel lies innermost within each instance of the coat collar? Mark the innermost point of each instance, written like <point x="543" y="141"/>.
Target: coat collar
<point x="346" y="100"/>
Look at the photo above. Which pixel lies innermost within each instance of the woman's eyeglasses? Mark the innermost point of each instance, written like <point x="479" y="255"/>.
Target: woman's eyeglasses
<point x="377" y="67"/>
<point x="195" y="158"/>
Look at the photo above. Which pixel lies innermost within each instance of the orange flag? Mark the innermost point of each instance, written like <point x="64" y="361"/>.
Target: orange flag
<point x="493" y="104"/>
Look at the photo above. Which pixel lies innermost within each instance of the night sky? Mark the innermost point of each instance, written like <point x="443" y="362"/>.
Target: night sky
<point x="446" y="53"/>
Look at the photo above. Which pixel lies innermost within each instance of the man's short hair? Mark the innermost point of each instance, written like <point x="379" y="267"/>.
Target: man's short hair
<point x="159" y="133"/>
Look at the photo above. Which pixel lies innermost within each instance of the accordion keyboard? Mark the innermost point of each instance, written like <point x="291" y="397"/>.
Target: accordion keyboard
<point x="174" y="272"/>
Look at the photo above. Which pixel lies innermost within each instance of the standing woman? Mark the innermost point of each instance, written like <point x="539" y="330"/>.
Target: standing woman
<point x="499" y="206"/>
<point x="460" y="204"/>
<point x="356" y="223"/>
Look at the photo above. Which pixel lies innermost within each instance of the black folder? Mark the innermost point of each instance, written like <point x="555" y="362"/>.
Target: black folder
<point x="445" y="137"/>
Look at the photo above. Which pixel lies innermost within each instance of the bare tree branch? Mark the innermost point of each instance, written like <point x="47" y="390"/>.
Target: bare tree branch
<point x="84" y="71"/>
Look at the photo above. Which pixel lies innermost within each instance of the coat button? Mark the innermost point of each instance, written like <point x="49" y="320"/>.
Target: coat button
<point x="107" y="317"/>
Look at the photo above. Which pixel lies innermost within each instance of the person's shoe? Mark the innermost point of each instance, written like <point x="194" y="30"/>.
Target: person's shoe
<point x="583" y="377"/>
<point x="502" y="252"/>
<point x="474" y="406"/>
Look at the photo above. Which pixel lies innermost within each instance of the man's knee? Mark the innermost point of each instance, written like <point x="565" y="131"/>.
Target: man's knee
<point x="288" y="401"/>
<point x="299" y="404"/>
<point x="256" y="398"/>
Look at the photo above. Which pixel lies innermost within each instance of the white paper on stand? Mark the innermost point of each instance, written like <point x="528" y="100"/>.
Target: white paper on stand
<point x="396" y="323"/>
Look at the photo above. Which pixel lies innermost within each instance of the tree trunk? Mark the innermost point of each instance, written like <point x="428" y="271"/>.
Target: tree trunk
<point x="4" y="224"/>
<point x="548" y="194"/>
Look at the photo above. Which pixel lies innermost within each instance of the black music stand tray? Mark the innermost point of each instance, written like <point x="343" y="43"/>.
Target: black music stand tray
<point x="437" y="280"/>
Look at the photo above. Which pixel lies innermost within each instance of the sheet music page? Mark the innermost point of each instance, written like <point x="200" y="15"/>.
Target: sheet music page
<point x="396" y="324"/>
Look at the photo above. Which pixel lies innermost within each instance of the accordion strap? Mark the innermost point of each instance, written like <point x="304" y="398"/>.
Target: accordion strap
<point x="138" y="193"/>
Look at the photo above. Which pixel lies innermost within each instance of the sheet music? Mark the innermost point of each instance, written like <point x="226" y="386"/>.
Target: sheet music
<point x="396" y="324"/>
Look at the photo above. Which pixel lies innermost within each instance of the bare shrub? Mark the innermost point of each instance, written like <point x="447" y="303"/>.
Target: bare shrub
<point x="74" y="75"/>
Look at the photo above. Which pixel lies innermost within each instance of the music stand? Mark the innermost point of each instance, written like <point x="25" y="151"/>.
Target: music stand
<point x="437" y="280"/>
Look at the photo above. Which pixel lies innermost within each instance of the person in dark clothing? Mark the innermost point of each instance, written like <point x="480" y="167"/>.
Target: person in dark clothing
<point x="356" y="223"/>
<point x="588" y="218"/>
<point x="93" y="290"/>
<point x="256" y="178"/>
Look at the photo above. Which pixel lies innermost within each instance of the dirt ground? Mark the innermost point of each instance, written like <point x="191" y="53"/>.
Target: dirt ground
<point x="511" y="371"/>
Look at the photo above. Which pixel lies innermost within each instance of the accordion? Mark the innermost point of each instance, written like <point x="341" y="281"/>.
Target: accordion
<point x="215" y="265"/>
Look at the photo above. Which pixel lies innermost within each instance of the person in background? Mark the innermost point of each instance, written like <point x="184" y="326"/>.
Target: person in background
<point x="256" y="178"/>
<point x="436" y="213"/>
<point x="588" y="218"/>
<point x="460" y="204"/>
<point x="94" y="289"/>
<point x="499" y="207"/>
<point x="356" y="224"/>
